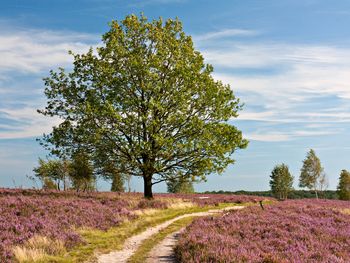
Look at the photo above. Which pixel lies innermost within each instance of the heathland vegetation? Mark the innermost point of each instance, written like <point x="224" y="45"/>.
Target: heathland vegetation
<point x="145" y="104"/>
<point x="291" y="231"/>
<point x="66" y="226"/>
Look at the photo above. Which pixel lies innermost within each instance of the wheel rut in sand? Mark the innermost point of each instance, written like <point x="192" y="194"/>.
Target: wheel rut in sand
<point x="164" y="251"/>
<point x="164" y="248"/>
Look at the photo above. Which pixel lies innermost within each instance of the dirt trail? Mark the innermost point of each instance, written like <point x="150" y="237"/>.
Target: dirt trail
<point x="163" y="252"/>
<point x="132" y="243"/>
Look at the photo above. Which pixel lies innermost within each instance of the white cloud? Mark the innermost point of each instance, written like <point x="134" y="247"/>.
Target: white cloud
<point x="282" y="79"/>
<point x="225" y="33"/>
<point x="285" y="79"/>
<point x="36" y="50"/>
<point x="32" y="53"/>
<point x="273" y="135"/>
<point x="268" y="137"/>
<point x="31" y="123"/>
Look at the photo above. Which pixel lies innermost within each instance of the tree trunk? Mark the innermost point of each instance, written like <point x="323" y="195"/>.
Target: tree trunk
<point x="129" y="183"/>
<point x="147" y="180"/>
<point x="316" y="194"/>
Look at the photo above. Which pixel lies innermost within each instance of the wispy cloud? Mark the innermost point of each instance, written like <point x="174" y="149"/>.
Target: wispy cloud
<point x="273" y="135"/>
<point x="308" y="85"/>
<point x="225" y="33"/>
<point x="28" y="123"/>
<point x="301" y="75"/>
<point x="26" y="56"/>
<point x="36" y="50"/>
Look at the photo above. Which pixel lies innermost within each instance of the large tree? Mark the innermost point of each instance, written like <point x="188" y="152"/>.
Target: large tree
<point x="281" y="181"/>
<point x="343" y="189"/>
<point x="311" y="174"/>
<point x="147" y="102"/>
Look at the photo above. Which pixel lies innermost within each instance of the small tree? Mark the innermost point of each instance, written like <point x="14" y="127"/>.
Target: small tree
<point x="52" y="173"/>
<point x="180" y="186"/>
<point x="343" y="189"/>
<point x="323" y="184"/>
<point x="110" y="172"/>
<point x="82" y="172"/>
<point x="281" y="181"/>
<point x="311" y="172"/>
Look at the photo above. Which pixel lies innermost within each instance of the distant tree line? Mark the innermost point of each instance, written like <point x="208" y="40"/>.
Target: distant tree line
<point x="293" y="194"/>
<point x="77" y="173"/>
<point x="312" y="177"/>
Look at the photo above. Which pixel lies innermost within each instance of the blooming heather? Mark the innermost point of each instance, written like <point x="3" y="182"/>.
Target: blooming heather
<point x="54" y="214"/>
<point x="291" y="231"/>
<point x="215" y="199"/>
<point x="24" y="214"/>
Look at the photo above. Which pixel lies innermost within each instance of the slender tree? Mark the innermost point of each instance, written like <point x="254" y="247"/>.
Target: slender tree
<point x="110" y="172"/>
<point x="311" y="172"/>
<point x="281" y="181"/>
<point x="343" y="189"/>
<point x="146" y="101"/>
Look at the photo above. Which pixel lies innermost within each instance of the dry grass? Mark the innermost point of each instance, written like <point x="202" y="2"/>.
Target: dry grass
<point x="346" y="211"/>
<point x="172" y="203"/>
<point x="37" y="248"/>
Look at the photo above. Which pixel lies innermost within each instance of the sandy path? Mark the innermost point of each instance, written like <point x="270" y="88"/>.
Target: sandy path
<point x="132" y="243"/>
<point x="163" y="252"/>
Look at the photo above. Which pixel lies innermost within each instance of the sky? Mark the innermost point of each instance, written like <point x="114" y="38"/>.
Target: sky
<point x="287" y="61"/>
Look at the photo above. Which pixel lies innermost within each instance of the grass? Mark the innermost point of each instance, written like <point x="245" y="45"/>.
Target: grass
<point x="97" y="241"/>
<point x="37" y="249"/>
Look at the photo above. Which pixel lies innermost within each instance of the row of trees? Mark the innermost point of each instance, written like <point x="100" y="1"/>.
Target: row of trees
<point x="77" y="173"/>
<point x="312" y="176"/>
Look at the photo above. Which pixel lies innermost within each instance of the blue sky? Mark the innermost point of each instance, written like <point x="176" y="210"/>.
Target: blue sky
<point x="288" y="61"/>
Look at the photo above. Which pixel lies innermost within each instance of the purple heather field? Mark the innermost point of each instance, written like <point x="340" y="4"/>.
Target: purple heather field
<point x="290" y="231"/>
<point x="26" y="213"/>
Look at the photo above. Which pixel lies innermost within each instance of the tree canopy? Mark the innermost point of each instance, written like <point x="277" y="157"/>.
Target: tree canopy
<point x="312" y="174"/>
<point x="146" y="102"/>
<point x="281" y="181"/>
<point x="343" y="189"/>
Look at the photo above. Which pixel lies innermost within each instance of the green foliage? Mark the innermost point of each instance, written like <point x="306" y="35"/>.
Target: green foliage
<point x="180" y="186"/>
<point x="146" y="101"/>
<point x="281" y="181"/>
<point x="110" y="172"/>
<point x="294" y="194"/>
<point x="343" y="189"/>
<point x="52" y="173"/>
<point x="311" y="175"/>
<point x="117" y="184"/>
<point x="82" y="172"/>
<point x="48" y="184"/>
